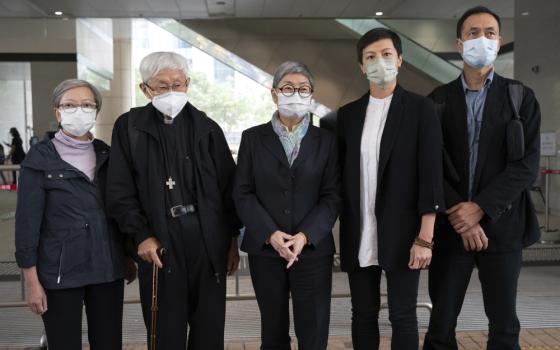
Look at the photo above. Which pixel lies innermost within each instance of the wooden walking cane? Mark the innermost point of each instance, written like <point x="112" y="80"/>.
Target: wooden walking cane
<point x="154" y="308"/>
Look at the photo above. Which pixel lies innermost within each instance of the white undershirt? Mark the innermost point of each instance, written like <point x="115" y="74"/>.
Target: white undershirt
<point x="376" y="116"/>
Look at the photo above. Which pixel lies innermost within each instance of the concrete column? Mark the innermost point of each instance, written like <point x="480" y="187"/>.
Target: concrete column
<point x="118" y="99"/>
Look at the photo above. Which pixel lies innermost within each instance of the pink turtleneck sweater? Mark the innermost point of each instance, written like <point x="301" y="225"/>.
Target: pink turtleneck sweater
<point x="79" y="154"/>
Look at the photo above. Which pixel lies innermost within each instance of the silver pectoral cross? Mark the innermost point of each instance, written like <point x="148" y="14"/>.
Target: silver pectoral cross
<point x="170" y="183"/>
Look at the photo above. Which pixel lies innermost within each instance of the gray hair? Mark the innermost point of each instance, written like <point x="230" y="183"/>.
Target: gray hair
<point x="156" y="62"/>
<point x="290" y="67"/>
<point x="70" y="84"/>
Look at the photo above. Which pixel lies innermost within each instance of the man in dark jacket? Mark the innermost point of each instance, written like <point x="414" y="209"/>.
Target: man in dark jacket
<point x="491" y="161"/>
<point x="169" y="186"/>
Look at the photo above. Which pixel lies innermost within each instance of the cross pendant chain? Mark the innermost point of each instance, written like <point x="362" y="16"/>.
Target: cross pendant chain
<point x="170" y="183"/>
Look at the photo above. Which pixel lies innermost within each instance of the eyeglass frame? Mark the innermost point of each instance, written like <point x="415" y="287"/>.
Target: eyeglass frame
<point x="295" y="89"/>
<point x="169" y="88"/>
<point x="73" y="108"/>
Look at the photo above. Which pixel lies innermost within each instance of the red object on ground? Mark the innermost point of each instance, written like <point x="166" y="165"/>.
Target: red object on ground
<point x="551" y="171"/>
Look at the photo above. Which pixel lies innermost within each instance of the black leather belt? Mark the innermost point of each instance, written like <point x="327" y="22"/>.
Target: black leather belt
<point x="180" y="210"/>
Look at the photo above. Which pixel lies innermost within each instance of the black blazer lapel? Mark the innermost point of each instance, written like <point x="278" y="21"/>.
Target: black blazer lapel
<point x="271" y="141"/>
<point x="391" y="130"/>
<point x="495" y="99"/>
<point x="355" y="126"/>
<point x="308" y="146"/>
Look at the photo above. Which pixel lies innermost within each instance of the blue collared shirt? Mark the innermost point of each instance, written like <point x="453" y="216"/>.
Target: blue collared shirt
<point x="475" y="100"/>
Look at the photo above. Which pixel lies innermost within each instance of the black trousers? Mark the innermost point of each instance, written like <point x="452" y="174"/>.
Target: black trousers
<point x="449" y="277"/>
<point x="309" y="282"/>
<point x="192" y="300"/>
<point x="402" y="294"/>
<point x="104" y="309"/>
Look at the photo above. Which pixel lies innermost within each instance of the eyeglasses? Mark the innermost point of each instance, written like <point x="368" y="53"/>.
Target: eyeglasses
<point x="162" y="88"/>
<point x="72" y="108"/>
<point x="290" y="90"/>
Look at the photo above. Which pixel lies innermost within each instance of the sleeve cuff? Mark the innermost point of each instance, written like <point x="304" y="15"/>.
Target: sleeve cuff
<point x="141" y="237"/>
<point x="435" y="208"/>
<point x="26" y="259"/>
<point x="488" y="210"/>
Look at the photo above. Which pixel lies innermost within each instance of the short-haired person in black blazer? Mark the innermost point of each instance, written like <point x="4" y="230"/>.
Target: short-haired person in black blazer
<point x="487" y="181"/>
<point x="390" y="154"/>
<point x="287" y="195"/>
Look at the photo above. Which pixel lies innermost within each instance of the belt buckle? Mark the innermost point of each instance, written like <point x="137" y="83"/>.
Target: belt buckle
<point x="178" y="210"/>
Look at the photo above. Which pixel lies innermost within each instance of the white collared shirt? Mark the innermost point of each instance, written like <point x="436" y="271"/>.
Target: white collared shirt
<point x="374" y="124"/>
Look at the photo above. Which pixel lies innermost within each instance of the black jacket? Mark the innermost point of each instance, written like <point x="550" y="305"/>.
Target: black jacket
<point x="61" y="224"/>
<point x="500" y="187"/>
<point x="270" y="195"/>
<point x="409" y="176"/>
<point x="136" y="192"/>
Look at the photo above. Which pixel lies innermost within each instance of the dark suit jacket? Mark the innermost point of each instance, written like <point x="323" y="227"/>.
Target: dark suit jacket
<point x="270" y="195"/>
<point x="500" y="188"/>
<point x="409" y="177"/>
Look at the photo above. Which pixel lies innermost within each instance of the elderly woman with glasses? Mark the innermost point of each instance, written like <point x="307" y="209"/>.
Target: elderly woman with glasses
<point x="286" y="194"/>
<point x="70" y="252"/>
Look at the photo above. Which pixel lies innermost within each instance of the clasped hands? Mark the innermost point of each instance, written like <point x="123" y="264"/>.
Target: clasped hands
<point x="289" y="247"/>
<point x="465" y="218"/>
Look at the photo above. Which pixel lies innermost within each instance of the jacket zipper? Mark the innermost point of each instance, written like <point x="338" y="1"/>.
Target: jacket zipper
<point x="60" y="265"/>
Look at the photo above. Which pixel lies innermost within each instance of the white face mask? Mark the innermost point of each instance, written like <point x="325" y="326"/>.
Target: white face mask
<point x="78" y="123"/>
<point x="170" y="103"/>
<point x="480" y="52"/>
<point x="382" y="71"/>
<point x="294" y="106"/>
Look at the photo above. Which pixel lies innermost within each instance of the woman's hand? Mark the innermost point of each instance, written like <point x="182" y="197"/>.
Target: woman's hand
<point x="36" y="297"/>
<point x="420" y="257"/>
<point x="299" y="242"/>
<point x="281" y="242"/>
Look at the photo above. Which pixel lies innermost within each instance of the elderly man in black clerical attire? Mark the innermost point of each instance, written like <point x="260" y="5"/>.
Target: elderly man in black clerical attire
<point x="169" y="187"/>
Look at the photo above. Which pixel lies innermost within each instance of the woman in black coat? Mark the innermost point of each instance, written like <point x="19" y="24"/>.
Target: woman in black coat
<point x="286" y="194"/>
<point x="70" y="253"/>
<point x="390" y="151"/>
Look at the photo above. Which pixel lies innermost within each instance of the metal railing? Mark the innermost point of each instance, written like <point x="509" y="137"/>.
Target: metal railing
<point x="237" y="296"/>
<point x="8" y="169"/>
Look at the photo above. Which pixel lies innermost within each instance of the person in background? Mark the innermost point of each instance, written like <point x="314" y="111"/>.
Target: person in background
<point x="287" y="195"/>
<point x="71" y="253"/>
<point x="390" y="152"/>
<point x="16" y="154"/>
<point x="2" y="161"/>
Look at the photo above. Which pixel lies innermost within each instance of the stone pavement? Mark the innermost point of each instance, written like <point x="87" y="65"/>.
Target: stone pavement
<point x="531" y="339"/>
